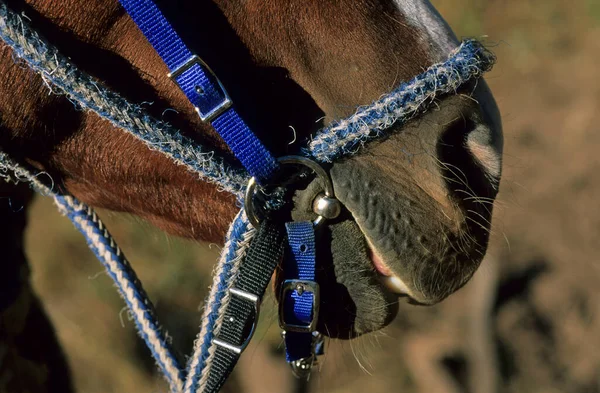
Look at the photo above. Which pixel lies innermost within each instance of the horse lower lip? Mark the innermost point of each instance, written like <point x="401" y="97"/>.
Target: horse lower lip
<point x="379" y="265"/>
<point x="392" y="282"/>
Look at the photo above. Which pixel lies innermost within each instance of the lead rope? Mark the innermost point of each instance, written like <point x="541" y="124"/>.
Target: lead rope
<point x="214" y="106"/>
<point x="108" y="253"/>
<point x="467" y="63"/>
<point x="141" y="309"/>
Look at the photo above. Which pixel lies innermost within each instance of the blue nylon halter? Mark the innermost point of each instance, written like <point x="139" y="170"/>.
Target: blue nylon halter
<point x="202" y="88"/>
<point x="205" y="92"/>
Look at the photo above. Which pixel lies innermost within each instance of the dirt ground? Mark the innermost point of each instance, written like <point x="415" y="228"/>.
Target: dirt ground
<point x="529" y="321"/>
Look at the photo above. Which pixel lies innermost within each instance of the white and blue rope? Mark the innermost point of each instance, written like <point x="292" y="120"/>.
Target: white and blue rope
<point x="108" y="253"/>
<point x="237" y="242"/>
<point x="345" y="137"/>
<point x="468" y="62"/>
<point x="102" y="244"/>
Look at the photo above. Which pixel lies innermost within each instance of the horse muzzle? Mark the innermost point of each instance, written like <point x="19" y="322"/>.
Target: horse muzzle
<point x="416" y="217"/>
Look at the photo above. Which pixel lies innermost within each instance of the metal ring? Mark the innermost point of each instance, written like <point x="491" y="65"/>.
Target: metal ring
<point x="289" y="160"/>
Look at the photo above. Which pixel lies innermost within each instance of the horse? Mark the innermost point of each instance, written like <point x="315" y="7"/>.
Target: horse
<point x="417" y="205"/>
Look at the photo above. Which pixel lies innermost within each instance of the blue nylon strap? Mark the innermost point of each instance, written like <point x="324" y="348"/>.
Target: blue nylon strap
<point x="202" y="88"/>
<point x="298" y="309"/>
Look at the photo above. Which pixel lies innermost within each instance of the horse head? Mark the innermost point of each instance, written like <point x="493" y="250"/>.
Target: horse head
<point x="417" y="205"/>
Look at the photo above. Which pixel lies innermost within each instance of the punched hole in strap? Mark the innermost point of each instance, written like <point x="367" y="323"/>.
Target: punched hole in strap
<point x="209" y="110"/>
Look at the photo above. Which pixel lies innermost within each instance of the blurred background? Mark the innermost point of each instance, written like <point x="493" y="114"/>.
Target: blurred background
<point x="528" y="322"/>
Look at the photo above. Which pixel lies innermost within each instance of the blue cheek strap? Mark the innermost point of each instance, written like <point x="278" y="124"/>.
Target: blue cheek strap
<point x="202" y="88"/>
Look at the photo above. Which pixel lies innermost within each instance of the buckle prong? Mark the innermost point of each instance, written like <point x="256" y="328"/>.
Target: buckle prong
<point x="220" y="107"/>
<point x="306" y="286"/>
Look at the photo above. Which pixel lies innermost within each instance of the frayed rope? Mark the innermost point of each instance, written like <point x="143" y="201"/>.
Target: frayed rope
<point x="100" y="241"/>
<point x="344" y="137"/>
<point x="237" y="242"/>
<point x="468" y="62"/>
<point x="87" y="92"/>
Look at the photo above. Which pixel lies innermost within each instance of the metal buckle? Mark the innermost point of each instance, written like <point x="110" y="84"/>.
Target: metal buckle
<point x="255" y="300"/>
<point x="301" y="286"/>
<point x="222" y="106"/>
<point x="302" y="368"/>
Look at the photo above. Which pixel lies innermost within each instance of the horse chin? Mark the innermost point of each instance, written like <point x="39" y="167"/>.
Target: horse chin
<point x="354" y="297"/>
<point x="360" y="281"/>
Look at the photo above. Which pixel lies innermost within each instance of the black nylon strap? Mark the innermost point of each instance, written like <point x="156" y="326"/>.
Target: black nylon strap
<point x="264" y="254"/>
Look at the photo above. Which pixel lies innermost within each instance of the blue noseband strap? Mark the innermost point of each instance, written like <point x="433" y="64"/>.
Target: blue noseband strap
<point x="202" y="88"/>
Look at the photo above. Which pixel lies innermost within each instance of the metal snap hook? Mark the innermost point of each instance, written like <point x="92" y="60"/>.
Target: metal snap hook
<point x="325" y="205"/>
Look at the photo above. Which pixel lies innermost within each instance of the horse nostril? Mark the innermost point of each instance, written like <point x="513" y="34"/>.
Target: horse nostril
<point x="470" y="158"/>
<point x="481" y="145"/>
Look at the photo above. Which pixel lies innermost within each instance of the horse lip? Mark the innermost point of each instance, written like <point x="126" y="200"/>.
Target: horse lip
<point x="391" y="281"/>
<point x="378" y="263"/>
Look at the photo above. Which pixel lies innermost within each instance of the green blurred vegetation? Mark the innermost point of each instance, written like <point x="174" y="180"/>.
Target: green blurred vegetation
<point x="593" y="7"/>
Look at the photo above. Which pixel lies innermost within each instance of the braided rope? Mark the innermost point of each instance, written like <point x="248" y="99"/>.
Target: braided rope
<point x="106" y="250"/>
<point x="239" y="237"/>
<point x="102" y="244"/>
<point x="87" y="92"/>
<point x="468" y="62"/>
